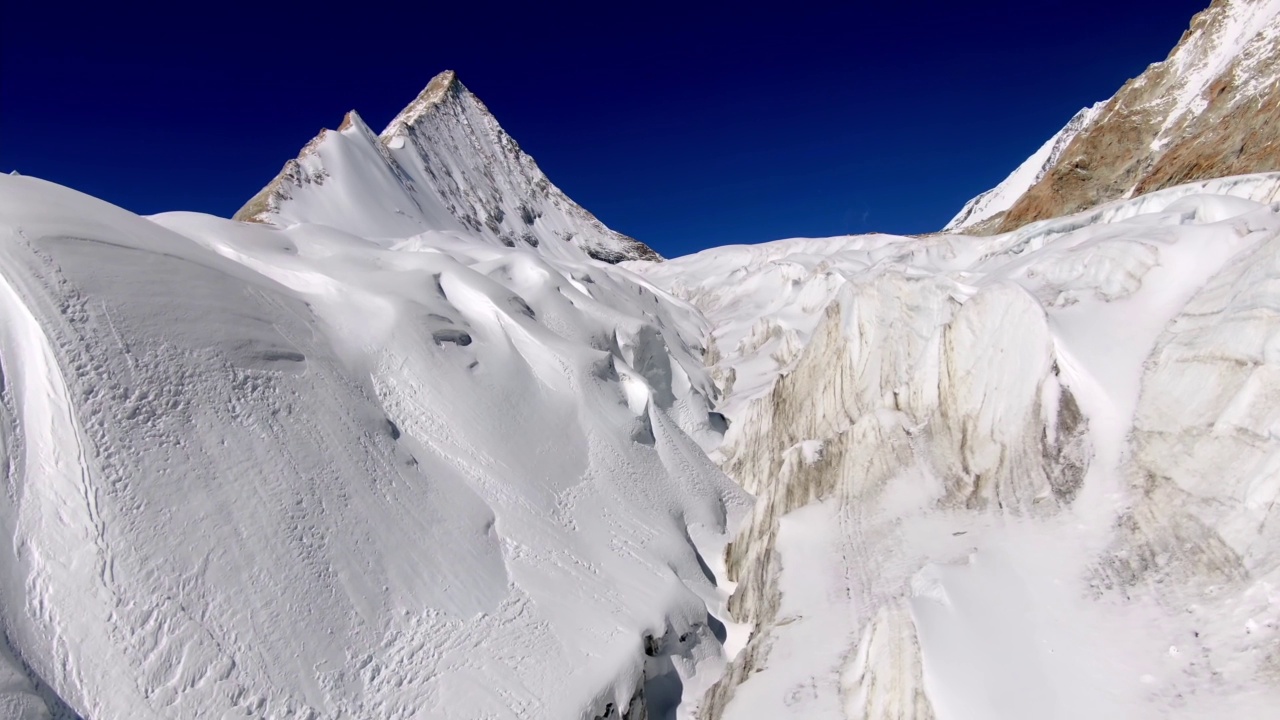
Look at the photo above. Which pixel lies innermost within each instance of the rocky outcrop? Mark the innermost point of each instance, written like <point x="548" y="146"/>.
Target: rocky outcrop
<point x="442" y="164"/>
<point x="986" y="209"/>
<point x="1208" y="111"/>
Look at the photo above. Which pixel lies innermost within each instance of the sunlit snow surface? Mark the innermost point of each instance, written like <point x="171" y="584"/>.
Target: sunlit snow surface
<point x="939" y="533"/>
<point x="292" y="471"/>
<point x="259" y="472"/>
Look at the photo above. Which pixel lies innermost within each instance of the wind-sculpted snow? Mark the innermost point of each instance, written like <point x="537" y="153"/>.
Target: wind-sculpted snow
<point x="372" y="458"/>
<point x="1203" y="528"/>
<point x="1029" y="475"/>
<point x="297" y="473"/>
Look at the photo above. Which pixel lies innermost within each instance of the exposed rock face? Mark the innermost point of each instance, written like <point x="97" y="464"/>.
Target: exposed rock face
<point x="985" y="210"/>
<point x="1211" y="109"/>
<point x="443" y="164"/>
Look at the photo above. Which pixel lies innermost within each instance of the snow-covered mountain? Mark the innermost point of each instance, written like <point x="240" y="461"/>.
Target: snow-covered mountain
<point x="1031" y="475"/>
<point x="1207" y="111"/>
<point x="294" y="472"/>
<point x="416" y="436"/>
<point x="442" y="164"/>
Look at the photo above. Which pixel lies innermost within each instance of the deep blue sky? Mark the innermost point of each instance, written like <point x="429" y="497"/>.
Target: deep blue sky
<point x="683" y="126"/>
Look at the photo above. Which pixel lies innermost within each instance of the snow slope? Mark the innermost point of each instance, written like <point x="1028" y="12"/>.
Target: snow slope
<point x="1029" y="475"/>
<point x="442" y="164"/>
<point x="297" y="472"/>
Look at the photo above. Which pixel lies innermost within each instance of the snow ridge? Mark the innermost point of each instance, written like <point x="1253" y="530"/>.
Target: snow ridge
<point x="1000" y="198"/>
<point x="295" y="472"/>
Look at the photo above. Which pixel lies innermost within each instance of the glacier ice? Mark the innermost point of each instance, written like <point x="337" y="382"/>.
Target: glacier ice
<point x="1023" y="475"/>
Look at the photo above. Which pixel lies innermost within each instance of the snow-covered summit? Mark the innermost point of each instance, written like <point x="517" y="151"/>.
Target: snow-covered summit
<point x="440" y="86"/>
<point x="445" y="164"/>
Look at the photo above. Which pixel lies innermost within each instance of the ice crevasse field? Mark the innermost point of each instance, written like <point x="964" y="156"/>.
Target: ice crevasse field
<point x="1029" y="475"/>
<point x="402" y="462"/>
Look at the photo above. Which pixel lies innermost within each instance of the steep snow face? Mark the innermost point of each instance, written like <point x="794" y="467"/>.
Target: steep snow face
<point x="1000" y="198"/>
<point x="442" y="164"/>
<point x="990" y="471"/>
<point x="296" y="472"/>
<point x="1207" y="111"/>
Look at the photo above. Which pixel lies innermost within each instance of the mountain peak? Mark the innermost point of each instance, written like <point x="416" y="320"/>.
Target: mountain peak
<point x="442" y="164"/>
<point x="441" y="86"/>
<point x="351" y="121"/>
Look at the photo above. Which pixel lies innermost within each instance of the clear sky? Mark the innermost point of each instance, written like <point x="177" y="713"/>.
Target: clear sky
<point x="685" y="126"/>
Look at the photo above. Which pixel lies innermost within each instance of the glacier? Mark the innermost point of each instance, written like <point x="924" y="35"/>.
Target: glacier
<point x="1029" y="475"/>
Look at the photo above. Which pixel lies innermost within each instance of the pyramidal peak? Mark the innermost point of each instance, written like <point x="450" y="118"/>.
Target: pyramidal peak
<point x="440" y="87"/>
<point x="443" y="164"/>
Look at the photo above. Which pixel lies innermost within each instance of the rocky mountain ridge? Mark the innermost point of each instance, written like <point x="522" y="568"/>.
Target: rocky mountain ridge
<point x="1210" y="109"/>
